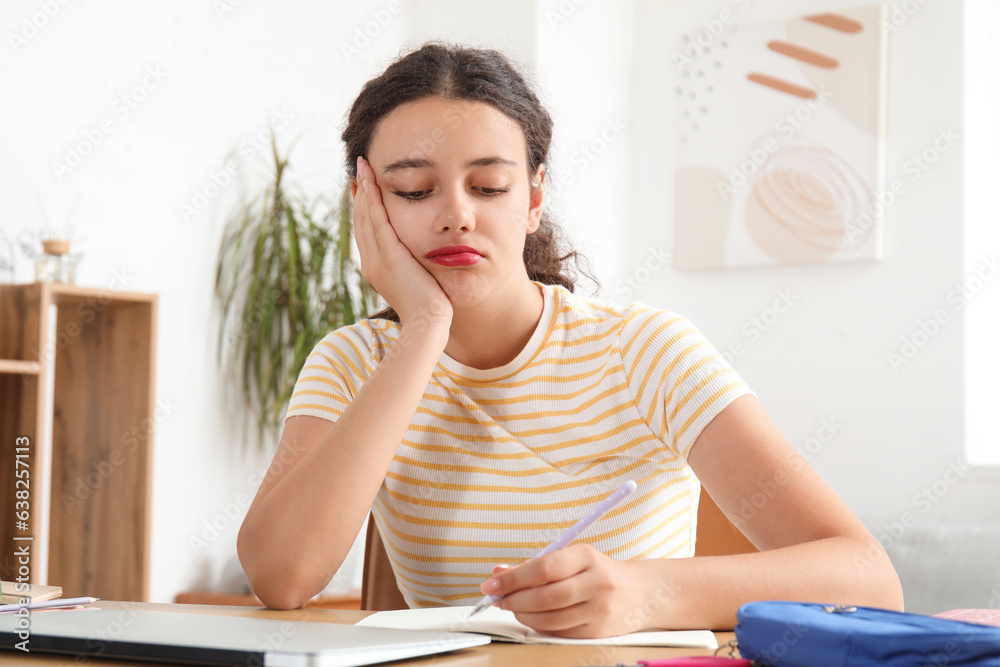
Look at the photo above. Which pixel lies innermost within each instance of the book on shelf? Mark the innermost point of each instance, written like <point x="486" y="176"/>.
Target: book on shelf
<point x="10" y="594"/>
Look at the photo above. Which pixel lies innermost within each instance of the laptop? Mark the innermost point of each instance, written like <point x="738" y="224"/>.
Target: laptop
<point x="202" y="639"/>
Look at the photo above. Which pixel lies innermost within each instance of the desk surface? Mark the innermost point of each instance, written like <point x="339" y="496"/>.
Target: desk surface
<point x="496" y="654"/>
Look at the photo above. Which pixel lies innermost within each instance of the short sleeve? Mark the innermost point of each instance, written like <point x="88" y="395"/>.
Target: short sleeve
<point x="333" y="373"/>
<point x="679" y="381"/>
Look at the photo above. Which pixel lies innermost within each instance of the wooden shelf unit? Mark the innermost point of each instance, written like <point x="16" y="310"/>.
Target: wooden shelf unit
<point x="99" y="490"/>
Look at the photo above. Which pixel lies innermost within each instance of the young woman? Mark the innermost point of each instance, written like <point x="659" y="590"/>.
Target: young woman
<point x="485" y="411"/>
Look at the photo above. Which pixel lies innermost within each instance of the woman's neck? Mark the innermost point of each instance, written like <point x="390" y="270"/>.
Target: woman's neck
<point x="492" y="334"/>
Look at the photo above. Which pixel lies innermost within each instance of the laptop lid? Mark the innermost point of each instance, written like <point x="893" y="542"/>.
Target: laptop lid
<point x="220" y="640"/>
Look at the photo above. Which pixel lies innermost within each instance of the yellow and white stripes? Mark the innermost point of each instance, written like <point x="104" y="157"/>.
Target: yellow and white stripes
<point x="497" y="463"/>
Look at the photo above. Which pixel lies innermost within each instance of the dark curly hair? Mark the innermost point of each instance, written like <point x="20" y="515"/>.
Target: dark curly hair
<point x="454" y="72"/>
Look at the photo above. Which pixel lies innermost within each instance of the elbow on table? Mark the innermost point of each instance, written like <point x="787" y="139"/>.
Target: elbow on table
<point x="883" y="590"/>
<point x="281" y="591"/>
<point x="894" y="591"/>
<point x="272" y="586"/>
<point x="281" y="600"/>
<point x="882" y="582"/>
<point x="282" y="587"/>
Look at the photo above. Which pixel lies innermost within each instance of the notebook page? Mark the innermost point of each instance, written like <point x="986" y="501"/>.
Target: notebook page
<point x="502" y="624"/>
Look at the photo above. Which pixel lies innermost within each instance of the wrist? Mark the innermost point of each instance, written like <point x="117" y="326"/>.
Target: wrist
<point x="662" y="594"/>
<point x="433" y="319"/>
<point x="429" y="336"/>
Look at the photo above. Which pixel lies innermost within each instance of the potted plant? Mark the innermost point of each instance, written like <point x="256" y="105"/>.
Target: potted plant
<point x="285" y="277"/>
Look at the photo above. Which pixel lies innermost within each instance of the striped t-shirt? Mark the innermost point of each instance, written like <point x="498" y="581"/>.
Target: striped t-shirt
<point x="497" y="463"/>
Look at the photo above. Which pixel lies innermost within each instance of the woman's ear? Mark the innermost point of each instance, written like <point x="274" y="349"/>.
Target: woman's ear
<point x="354" y="188"/>
<point x="536" y="199"/>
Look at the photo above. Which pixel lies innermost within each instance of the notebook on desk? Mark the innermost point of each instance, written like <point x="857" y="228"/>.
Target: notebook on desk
<point x="221" y="640"/>
<point x="502" y="625"/>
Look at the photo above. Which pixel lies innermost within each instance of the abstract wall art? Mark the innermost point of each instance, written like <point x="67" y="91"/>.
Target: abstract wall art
<point x="780" y="142"/>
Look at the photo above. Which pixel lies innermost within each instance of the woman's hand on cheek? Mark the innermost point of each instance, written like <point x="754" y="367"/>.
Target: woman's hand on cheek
<point x="389" y="265"/>
<point x="574" y="592"/>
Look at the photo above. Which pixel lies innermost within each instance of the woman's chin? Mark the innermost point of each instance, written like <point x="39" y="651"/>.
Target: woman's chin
<point x="463" y="288"/>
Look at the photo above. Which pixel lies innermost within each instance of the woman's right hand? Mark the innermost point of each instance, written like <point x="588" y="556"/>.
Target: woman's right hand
<point x="388" y="265"/>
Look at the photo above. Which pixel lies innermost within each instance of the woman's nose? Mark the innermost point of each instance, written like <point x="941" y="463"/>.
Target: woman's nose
<point x="456" y="213"/>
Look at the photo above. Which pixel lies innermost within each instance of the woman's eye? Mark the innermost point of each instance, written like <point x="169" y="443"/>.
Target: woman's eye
<point x="412" y="196"/>
<point x="417" y="195"/>
<point x="493" y="192"/>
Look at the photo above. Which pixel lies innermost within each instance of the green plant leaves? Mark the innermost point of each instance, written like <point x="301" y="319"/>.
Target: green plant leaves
<point x="285" y="277"/>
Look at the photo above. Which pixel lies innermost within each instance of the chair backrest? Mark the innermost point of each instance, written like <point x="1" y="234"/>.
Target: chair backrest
<point x="379" y="591"/>
<point x="717" y="536"/>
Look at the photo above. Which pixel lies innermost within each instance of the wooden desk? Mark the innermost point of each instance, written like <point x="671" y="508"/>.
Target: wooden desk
<point x="497" y="654"/>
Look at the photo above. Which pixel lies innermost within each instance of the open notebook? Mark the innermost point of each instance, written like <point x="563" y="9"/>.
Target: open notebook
<point x="501" y="624"/>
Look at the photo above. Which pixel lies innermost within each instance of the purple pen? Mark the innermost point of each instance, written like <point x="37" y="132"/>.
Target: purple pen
<point x="574" y="531"/>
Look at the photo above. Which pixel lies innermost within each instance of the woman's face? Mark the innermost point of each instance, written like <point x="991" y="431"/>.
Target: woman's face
<point x="454" y="173"/>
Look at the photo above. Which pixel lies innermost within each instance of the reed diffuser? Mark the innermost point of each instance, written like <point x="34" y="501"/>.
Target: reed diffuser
<point x="55" y="264"/>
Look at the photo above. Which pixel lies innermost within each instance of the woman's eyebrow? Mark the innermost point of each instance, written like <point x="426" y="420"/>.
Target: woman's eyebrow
<point x="424" y="163"/>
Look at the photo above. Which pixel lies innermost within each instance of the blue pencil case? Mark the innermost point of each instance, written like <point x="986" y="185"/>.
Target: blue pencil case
<point x="799" y="634"/>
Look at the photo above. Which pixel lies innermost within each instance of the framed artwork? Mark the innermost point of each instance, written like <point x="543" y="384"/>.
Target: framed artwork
<point x="780" y="141"/>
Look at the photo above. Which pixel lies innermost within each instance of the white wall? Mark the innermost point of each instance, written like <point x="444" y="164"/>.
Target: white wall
<point x="601" y="66"/>
<point x="225" y="72"/>
<point x="563" y="47"/>
<point x="982" y="233"/>
<point x="826" y="358"/>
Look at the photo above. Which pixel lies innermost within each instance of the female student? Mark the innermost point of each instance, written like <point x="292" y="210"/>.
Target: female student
<point x="489" y="406"/>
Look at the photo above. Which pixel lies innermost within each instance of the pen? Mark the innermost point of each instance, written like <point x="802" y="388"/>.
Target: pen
<point x="574" y="531"/>
<point x="48" y="604"/>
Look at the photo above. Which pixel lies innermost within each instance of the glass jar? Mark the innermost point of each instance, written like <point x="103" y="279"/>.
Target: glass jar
<point x="55" y="264"/>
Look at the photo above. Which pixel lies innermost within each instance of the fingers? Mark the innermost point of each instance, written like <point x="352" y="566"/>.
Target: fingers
<point x="574" y="592"/>
<point x="568" y="622"/>
<point x="384" y="234"/>
<point x="528" y="585"/>
<point x="364" y="232"/>
<point x="388" y="264"/>
<point x="553" y="596"/>
<point x="564" y="607"/>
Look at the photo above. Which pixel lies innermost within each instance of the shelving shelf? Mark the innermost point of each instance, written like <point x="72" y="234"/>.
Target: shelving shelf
<point x="90" y="508"/>
<point x="18" y="367"/>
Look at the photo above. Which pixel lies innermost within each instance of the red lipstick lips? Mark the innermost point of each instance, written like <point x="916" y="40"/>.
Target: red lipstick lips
<point x="452" y="255"/>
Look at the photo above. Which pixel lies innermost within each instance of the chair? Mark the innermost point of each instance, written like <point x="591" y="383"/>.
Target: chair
<point x="717" y="536"/>
<point x="379" y="591"/>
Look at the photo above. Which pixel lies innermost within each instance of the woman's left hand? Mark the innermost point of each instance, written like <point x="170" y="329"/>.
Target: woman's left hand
<point x="574" y="592"/>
